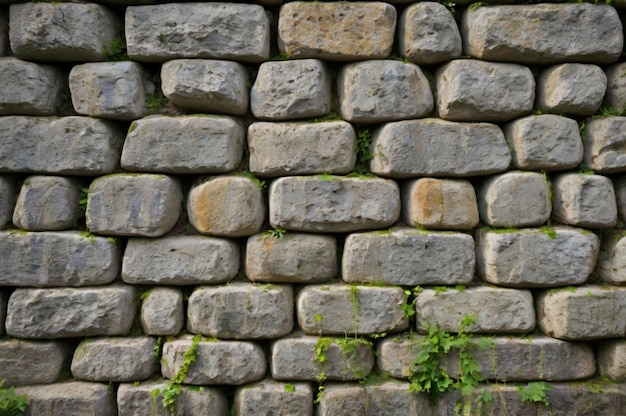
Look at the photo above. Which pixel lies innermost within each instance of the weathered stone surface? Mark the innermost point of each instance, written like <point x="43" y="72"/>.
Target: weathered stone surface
<point x="85" y="312"/>
<point x="546" y="141"/>
<point x="384" y="90"/>
<point x="4" y="33"/>
<point x="163" y="312"/>
<point x="611" y="267"/>
<point x="228" y="206"/>
<point x="74" y="398"/>
<point x="64" y="146"/>
<point x="32" y="362"/>
<point x="238" y="32"/>
<point x="291" y="258"/>
<point x="53" y="259"/>
<point x="115" y="359"/>
<point x="408" y="257"/>
<point x="287" y="90"/>
<point x="433" y="147"/>
<point x="74" y="32"/>
<point x="584" y="200"/>
<point x="279" y="149"/>
<point x="428" y="34"/>
<point x="133" y="205"/>
<point x="620" y="194"/>
<point x="4" y="300"/>
<point x="8" y="196"/>
<point x="615" y="96"/>
<point x="555" y="256"/>
<point x="271" y="397"/>
<point x="209" y="86"/>
<point x="612" y="359"/>
<point x="472" y="90"/>
<point x="439" y="204"/>
<point x="217" y="362"/>
<point x="346" y="309"/>
<point x="337" y="31"/>
<point x="495" y="310"/>
<point x="333" y="204"/>
<point x="544" y="33"/>
<point x="605" y="144"/>
<point x="241" y="311"/>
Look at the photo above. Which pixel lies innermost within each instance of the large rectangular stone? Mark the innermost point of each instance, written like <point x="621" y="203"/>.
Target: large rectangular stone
<point x="269" y="397"/>
<point x="32" y="362"/>
<point x="74" y="398"/>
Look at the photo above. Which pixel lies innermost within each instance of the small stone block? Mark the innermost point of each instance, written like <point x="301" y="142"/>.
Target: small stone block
<point x="73" y="398"/>
<point x="32" y="362"/>
<point x="269" y="397"/>
<point x="8" y="196"/>
<point x="615" y="96"/>
<point x="611" y="266"/>
<point x="605" y="144"/>
<point x="163" y="312"/>
<point x="612" y="359"/>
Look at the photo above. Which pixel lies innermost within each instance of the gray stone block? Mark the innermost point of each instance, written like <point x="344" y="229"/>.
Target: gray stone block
<point x="473" y="90"/>
<point x="612" y="359"/>
<point x="408" y="257"/>
<point x="74" y="32"/>
<point x="74" y="398"/>
<point x="163" y="312"/>
<point x="333" y="204"/>
<point x="611" y="267"/>
<point x="238" y="32"/>
<point x="208" y="86"/>
<point x="615" y="96"/>
<point x="337" y="31"/>
<point x="605" y="144"/>
<point x="32" y="362"/>
<point x="434" y="147"/>
<point x="620" y="194"/>
<point x="241" y="311"/>
<point x="86" y="312"/>
<point x="57" y="259"/>
<point x="133" y="205"/>
<point x="271" y="397"/>
<point x="8" y="196"/>
<point x="291" y="258"/>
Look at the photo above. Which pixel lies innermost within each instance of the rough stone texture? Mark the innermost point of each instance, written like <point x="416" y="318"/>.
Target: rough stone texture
<point x="385" y="90"/>
<point x="241" y="311"/>
<point x="584" y="200"/>
<point x="65" y="145"/>
<point x="343" y="309"/>
<point x="287" y="90"/>
<point x="428" y="34"/>
<point x="4" y="300"/>
<point x="496" y="310"/>
<point x="291" y="258"/>
<point x="53" y="259"/>
<point x="73" y="32"/>
<point x="238" y="32"/>
<point x="544" y="142"/>
<point x="612" y="359"/>
<point x="439" y="204"/>
<point x="584" y="313"/>
<point x="544" y="257"/>
<point x="333" y="203"/>
<point x="85" y="312"/>
<point x="217" y="362"/>
<point x="228" y="206"/>
<point x="544" y="33"/>
<point x="268" y="397"/>
<point x="8" y="196"/>
<point x="209" y="86"/>
<point x="133" y="205"/>
<point x="74" y="398"/>
<point x="472" y="90"/>
<point x="115" y="359"/>
<point x="615" y="96"/>
<point x="48" y="203"/>
<point x="620" y="194"/>
<point x="605" y="144"/>
<point x="611" y="266"/>
<point x="336" y="31"/>
<point x="4" y="33"/>
<point x="433" y="147"/>
<point x="408" y="257"/>
<point x="32" y="362"/>
<point x="163" y="312"/>
<point x="279" y="149"/>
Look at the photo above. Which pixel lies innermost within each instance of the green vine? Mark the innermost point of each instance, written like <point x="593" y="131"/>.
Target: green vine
<point x="11" y="403"/>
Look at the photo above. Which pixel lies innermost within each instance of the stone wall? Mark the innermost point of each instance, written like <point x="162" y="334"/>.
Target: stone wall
<point x="285" y="209"/>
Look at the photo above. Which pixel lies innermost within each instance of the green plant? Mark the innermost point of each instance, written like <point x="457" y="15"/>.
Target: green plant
<point x="11" y="403"/>
<point x="549" y="231"/>
<point x="320" y="349"/>
<point x="116" y="50"/>
<point x="450" y="5"/>
<point x="283" y="56"/>
<point x="261" y="184"/>
<point x="331" y="116"/>
<point x="84" y="197"/>
<point x="88" y="236"/>
<point x="477" y="5"/>
<point x="408" y="307"/>
<point x="363" y="154"/>
<point x="585" y="170"/>
<point x="290" y="388"/>
<point x="155" y="102"/>
<point x="277" y="232"/>
<point x="535" y="392"/>
<point x="354" y="300"/>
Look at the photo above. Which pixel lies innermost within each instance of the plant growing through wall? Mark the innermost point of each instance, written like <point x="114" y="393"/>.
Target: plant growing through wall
<point x="535" y="392"/>
<point x="11" y="403"/>
<point x="363" y="154"/>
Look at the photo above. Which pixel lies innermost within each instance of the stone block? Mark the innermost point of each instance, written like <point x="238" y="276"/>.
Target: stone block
<point x="346" y="309"/>
<point x="615" y="96"/>
<point x="544" y="142"/>
<point x="287" y="90"/>
<point x="584" y="200"/>
<point x="612" y="359"/>
<point x="73" y="398"/>
<point x="383" y="90"/>
<point x="611" y="267"/>
<point x="439" y="204"/>
<point x="434" y="147"/>
<point x="291" y="258"/>
<point x="495" y="310"/>
<point x="57" y="259"/>
<point x="8" y="196"/>
<point x="336" y="31"/>
<point x="32" y="362"/>
<point x="86" y="312"/>
<point x="226" y="206"/>
<point x="4" y="300"/>
<point x="241" y="311"/>
<point x="59" y="145"/>
<point x="281" y="149"/>
<point x="428" y="34"/>
<point x="473" y="90"/>
<point x="238" y="32"/>
<point x="333" y="204"/>
<point x="408" y="257"/>
<point x="163" y="312"/>
<point x="115" y="359"/>
<point x="71" y="32"/>
<point x="217" y="362"/>
<point x="620" y="194"/>
<point x="207" y="86"/>
<point x="605" y="144"/>
<point x="542" y="34"/>
<point x="48" y="203"/>
<point x="271" y="397"/>
<point x="138" y="205"/>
